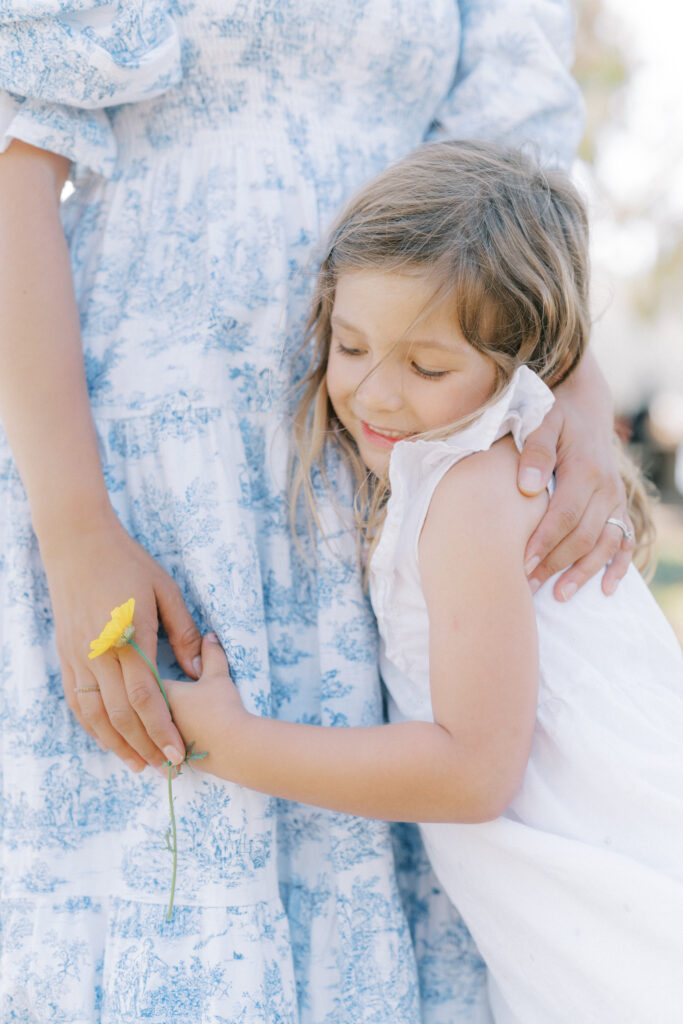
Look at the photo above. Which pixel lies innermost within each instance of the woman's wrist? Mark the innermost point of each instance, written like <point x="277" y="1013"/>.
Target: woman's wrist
<point x="586" y="390"/>
<point x="79" y="515"/>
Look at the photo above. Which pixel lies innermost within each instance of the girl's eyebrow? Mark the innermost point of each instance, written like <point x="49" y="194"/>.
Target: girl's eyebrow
<point x="430" y="343"/>
<point x="338" y="321"/>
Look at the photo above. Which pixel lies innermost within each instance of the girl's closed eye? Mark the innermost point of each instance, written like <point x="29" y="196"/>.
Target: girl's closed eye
<point x="347" y="350"/>
<point x="422" y="371"/>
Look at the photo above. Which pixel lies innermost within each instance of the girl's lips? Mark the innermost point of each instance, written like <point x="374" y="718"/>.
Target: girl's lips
<point x="382" y="440"/>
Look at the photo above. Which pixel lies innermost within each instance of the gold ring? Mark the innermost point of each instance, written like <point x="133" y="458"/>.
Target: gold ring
<point x="87" y="689"/>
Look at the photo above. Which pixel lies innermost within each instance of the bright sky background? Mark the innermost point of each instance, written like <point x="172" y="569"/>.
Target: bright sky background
<point x="640" y="165"/>
<point x="641" y="155"/>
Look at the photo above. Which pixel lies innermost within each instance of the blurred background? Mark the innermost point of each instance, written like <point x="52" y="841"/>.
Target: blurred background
<point x="630" y="68"/>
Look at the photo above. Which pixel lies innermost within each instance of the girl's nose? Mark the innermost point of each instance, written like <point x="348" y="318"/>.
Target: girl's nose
<point x="381" y="389"/>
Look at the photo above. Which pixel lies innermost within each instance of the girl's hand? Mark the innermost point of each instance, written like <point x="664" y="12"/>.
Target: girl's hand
<point x="115" y="697"/>
<point x="209" y="711"/>
<point x="575" y="440"/>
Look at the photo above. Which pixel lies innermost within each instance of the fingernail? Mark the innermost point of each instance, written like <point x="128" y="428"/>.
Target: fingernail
<point x="530" y="479"/>
<point x="173" y="755"/>
<point x="531" y="565"/>
<point x="609" y="587"/>
<point x="162" y="771"/>
<point x="534" y="585"/>
<point x="212" y="638"/>
<point x="134" y="766"/>
<point x="568" y="590"/>
<point x="197" y="665"/>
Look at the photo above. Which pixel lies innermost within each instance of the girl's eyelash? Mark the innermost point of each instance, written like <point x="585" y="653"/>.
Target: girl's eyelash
<point x="429" y="374"/>
<point x="347" y="351"/>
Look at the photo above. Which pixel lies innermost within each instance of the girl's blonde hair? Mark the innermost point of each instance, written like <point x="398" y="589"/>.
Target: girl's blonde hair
<point x="505" y="242"/>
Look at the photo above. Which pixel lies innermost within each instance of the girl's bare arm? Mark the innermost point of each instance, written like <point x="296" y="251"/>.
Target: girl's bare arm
<point x="92" y="564"/>
<point x="483" y="667"/>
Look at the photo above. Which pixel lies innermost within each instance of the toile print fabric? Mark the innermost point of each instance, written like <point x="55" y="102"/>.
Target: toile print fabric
<point x="575" y="894"/>
<point x="212" y="142"/>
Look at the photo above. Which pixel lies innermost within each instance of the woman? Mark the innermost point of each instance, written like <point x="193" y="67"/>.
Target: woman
<point x="207" y="151"/>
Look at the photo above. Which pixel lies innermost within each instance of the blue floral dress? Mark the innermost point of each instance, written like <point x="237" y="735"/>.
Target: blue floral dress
<point x="212" y="141"/>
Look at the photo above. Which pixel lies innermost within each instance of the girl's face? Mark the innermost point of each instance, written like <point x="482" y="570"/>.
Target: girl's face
<point x="392" y="374"/>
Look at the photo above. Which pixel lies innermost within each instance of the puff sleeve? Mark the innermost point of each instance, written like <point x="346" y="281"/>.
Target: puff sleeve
<point x="512" y="82"/>
<point x="63" y="63"/>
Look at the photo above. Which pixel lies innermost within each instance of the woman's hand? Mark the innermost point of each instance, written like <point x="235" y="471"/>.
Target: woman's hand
<point x="115" y="697"/>
<point x="92" y="564"/>
<point x="575" y="440"/>
<point x="209" y="711"/>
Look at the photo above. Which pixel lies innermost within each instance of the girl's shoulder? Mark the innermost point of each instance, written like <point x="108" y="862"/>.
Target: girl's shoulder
<point x="477" y="503"/>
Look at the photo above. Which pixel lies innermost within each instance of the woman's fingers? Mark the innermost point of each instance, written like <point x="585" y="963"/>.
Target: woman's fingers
<point x="71" y="698"/>
<point x="90" y="692"/>
<point x="604" y="551"/>
<point x="602" y="543"/>
<point x="140" y="715"/>
<point x="539" y="455"/>
<point x="619" y="566"/>
<point x="181" y="629"/>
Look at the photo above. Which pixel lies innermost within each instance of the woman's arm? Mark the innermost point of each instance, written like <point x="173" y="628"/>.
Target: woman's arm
<point x="576" y="440"/>
<point x="483" y="675"/>
<point x="513" y="82"/>
<point x="513" y="85"/>
<point x="92" y="564"/>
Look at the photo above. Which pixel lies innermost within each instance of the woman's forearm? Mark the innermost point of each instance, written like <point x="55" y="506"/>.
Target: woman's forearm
<point x="44" y="405"/>
<point x="586" y="389"/>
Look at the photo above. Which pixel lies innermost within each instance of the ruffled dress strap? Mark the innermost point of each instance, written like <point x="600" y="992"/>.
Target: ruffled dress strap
<point x="64" y="62"/>
<point x="415" y="470"/>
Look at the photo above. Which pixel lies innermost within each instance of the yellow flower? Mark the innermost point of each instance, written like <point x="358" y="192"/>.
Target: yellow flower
<point x="118" y="632"/>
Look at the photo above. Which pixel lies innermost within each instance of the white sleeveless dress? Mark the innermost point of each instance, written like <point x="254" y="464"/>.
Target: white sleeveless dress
<point x="575" y="894"/>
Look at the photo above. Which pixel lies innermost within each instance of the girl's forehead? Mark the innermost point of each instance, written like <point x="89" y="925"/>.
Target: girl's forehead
<point x="372" y="292"/>
<point x="389" y="308"/>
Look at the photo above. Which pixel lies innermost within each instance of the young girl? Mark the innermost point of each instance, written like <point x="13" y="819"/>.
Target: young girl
<point x="539" y="744"/>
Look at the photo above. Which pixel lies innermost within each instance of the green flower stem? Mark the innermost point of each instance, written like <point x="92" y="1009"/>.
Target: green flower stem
<point x="174" y="836"/>
<point x="153" y="669"/>
<point x="174" y="839"/>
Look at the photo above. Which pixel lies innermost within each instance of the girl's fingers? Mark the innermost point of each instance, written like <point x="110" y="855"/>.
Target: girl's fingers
<point x="214" y="660"/>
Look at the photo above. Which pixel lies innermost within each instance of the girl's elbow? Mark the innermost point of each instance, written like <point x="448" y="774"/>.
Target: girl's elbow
<point x="489" y="794"/>
<point x="489" y="806"/>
